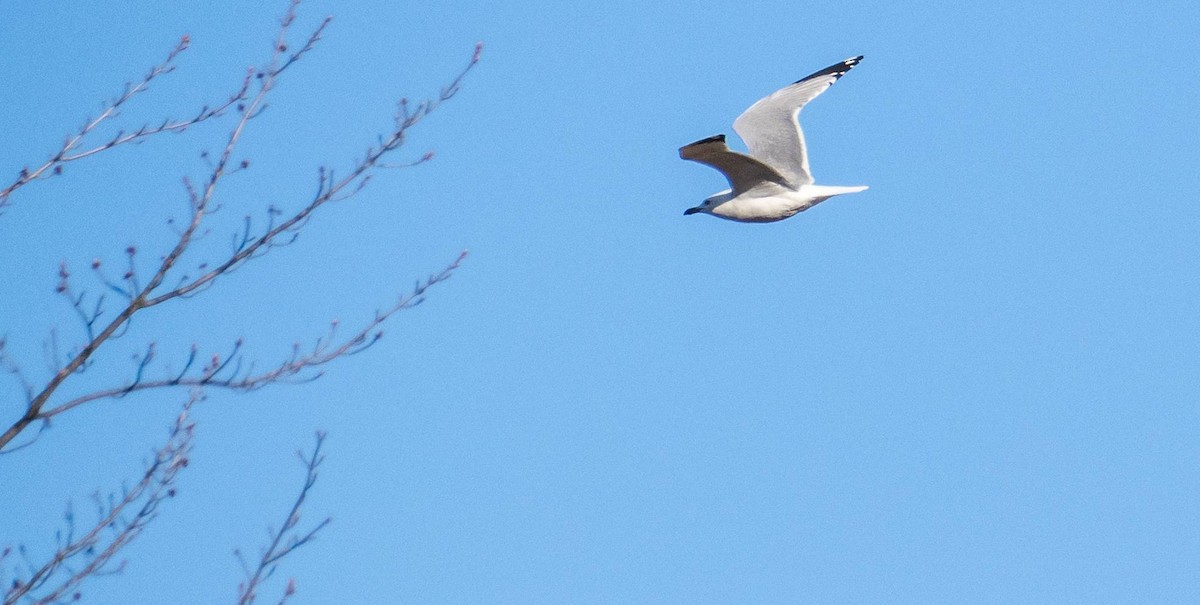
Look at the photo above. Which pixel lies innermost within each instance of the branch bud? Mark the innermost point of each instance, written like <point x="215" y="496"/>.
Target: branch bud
<point x="63" y="275"/>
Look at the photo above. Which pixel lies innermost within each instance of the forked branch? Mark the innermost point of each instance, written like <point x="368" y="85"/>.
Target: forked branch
<point x="287" y="538"/>
<point x="141" y="296"/>
<point x="119" y="522"/>
<point x="73" y="148"/>
<point x="224" y="372"/>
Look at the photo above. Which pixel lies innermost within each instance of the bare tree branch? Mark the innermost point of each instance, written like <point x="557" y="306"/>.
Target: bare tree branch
<point x="141" y="297"/>
<point x="114" y="529"/>
<point x="328" y="189"/>
<point x="71" y="151"/>
<point x="91" y="550"/>
<point x="325" y="350"/>
<point x="287" y="538"/>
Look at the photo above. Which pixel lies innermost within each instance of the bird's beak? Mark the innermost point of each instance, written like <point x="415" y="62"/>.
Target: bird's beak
<point x="691" y="211"/>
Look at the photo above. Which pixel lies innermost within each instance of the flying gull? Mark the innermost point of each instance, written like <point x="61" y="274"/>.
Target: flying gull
<point x="772" y="182"/>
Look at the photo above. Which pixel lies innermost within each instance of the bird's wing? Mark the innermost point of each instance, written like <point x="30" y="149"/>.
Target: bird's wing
<point x="771" y="128"/>
<point x="742" y="171"/>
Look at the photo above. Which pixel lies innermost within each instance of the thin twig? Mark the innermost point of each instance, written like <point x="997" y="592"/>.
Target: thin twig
<point x="324" y="352"/>
<point x="286" y="539"/>
<point x="70" y="151"/>
<point x="114" y="529"/>
<point x="201" y="200"/>
<point x="328" y="190"/>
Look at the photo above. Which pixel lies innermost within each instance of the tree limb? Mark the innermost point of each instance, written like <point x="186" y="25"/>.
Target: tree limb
<point x="99" y="546"/>
<point x="286" y="539"/>
<point x="329" y="189"/>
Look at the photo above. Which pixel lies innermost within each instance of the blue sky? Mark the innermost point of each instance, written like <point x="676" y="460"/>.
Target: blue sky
<point x="975" y="382"/>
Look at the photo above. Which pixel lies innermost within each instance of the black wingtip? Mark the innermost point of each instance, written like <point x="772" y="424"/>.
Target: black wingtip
<point x="836" y="70"/>
<point x="714" y="138"/>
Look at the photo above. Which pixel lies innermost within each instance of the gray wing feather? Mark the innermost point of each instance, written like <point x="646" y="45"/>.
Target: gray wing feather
<point x="742" y="171"/>
<point x="771" y="128"/>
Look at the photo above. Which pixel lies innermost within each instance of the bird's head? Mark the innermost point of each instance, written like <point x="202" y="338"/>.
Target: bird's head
<point x="710" y="203"/>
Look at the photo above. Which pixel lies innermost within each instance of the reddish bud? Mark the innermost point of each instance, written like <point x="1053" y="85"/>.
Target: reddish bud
<point x="171" y="493"/>
<point x="131" y="250"/>
<point x="291" y="587"/>
<point x="95" y="263"/>
<point x="428" y="156"/>
<point x="58" y="170"/>
<point x="63" y="274"/>
<point x="478" y="51"/>
<point x="245" y="164"/>
<point x="283" y="48"/>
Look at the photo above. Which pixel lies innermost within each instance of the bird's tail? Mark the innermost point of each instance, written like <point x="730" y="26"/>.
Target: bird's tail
<point x="831" y="191"/>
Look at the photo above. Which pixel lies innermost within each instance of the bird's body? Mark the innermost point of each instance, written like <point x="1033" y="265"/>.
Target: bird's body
<point x="765" y="206"/>
<point x="773" y="182"/>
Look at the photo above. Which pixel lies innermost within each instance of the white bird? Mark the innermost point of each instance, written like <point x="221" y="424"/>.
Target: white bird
<point x="773" y="182"/>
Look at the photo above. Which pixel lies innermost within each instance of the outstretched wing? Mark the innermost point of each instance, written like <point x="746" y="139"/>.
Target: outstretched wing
<point x="742" y="171"/>
<point x="771" y="129"/>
